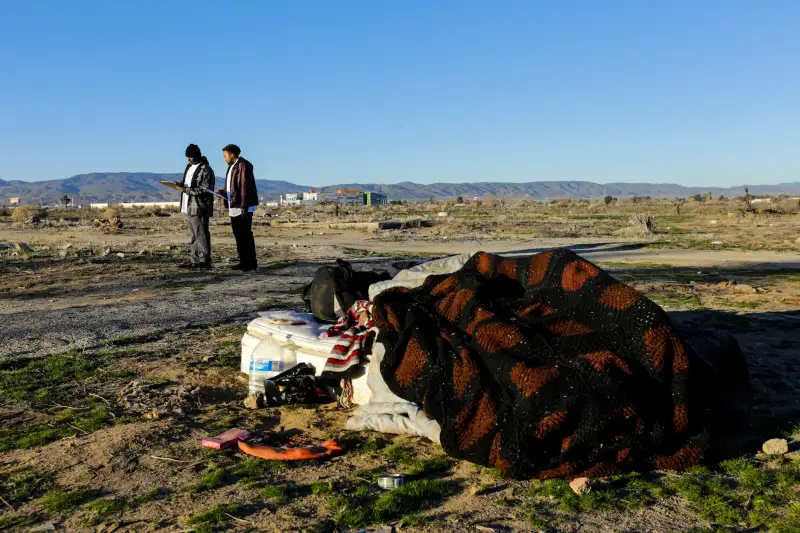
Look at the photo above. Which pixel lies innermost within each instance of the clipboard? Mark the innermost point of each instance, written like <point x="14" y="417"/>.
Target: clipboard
<point x="180" y="188"/>
<point x="173" y="185"/>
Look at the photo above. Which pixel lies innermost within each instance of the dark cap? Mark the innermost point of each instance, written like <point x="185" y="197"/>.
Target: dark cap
<point x="193" y="151"/>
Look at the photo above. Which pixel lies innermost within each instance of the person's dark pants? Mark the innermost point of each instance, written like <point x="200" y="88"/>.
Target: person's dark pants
<point x="245" y="243"/>
<point x="200" y="250"/>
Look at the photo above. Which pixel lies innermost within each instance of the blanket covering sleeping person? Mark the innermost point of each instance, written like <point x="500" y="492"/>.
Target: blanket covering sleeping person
<point x="546" y="367"/>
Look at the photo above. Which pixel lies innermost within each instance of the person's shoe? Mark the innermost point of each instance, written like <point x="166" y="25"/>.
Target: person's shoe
<point x="250" y="268"/>
<point x="186" y="264"/>
<point x="238" y="266"/>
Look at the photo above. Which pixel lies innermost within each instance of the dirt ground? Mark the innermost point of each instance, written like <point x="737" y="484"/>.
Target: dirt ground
<point x="115" y="364"/>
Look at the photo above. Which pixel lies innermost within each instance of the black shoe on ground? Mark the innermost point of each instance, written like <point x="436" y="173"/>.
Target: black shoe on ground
<point x="238" y="266"/>
<point x="250" y="268"/>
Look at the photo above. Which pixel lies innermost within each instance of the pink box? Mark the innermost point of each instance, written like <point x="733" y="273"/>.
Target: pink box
<point x="227" y="439"/>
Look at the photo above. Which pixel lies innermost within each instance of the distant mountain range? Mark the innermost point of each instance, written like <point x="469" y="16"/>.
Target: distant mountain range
<point x="144" y="187"/>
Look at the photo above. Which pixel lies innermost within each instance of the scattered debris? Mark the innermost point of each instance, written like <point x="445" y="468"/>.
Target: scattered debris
<point x="776" y="447"/>
<point x="227" y="439"/>
<point x="391" y="481"/>
<point x="23" y="248"/>
<point x="66" y="250"/>
<point x="107" y="224"/>
<point x="580" y="485"/>
<point x="121" y="255"/>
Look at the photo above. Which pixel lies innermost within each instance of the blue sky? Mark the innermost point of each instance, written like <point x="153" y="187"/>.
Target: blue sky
<point x="691" y="92"/>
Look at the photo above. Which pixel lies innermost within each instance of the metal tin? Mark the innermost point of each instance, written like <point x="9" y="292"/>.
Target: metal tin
<point x="391" y="481"/>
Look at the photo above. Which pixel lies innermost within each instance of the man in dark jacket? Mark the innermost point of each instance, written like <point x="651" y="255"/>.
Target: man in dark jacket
<point x="198" y="204"/>
<point x="242" y="201"/>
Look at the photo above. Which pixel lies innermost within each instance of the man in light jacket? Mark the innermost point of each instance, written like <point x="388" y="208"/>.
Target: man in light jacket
<point x="198" y="204"/>
<point x="241" y="202"/>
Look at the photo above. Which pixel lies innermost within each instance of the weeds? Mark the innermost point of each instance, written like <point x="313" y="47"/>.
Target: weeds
<point x="150" y="495"/>
<point x="217" y="515"/>
<point x="405" y="456"/>
<point x="211" y="480"/>
<point x="405" y="501"/>
<point x="23" y="485"/>
<point x="61" y="501"/>
<point x="103" y="509"/>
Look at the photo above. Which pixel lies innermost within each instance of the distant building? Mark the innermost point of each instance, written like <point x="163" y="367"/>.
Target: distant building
<point x="299" y="198"/>
<point x="375" y="198"/>
<point x="13" y="201"/>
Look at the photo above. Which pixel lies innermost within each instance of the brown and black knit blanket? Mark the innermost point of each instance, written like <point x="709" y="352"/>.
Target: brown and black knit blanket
<point x="544" y="367"/>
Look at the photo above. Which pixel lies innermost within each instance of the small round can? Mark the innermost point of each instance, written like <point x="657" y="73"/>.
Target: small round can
<point x="391" y="481"/>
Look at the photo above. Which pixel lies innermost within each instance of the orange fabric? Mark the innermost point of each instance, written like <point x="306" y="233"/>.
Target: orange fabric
<point x="274" y="453"/>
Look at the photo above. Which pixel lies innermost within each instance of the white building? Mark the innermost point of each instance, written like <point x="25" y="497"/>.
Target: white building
<point x="299" y="198"/>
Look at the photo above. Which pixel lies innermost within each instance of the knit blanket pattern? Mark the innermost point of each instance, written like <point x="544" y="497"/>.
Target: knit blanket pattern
<point x="545" y="367"/>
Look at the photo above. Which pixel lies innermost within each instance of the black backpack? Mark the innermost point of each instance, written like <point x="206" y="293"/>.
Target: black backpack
<point x="335" y="289"/>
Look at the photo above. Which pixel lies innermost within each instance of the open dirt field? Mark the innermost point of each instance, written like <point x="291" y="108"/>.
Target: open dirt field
<point x="115" y="364"/>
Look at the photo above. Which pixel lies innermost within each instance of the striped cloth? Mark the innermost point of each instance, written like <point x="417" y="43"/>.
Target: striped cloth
<point x="354" y="340"/>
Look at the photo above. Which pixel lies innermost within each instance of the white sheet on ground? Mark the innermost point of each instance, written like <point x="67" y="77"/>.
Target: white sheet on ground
<point x="414" y="277"/>
<point x="381" y="410"/>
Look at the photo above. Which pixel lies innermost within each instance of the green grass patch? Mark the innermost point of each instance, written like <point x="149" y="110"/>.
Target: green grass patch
<point x="619" y="493"/>
<point x="67" y="423"/>
<point x="36" y="379"/>
<point x="217" y="515"/>
<point x="408" y="500"/>
<point x="102" y="509"/>
<point x="673" y="300"/>
<point x="423" y="467"/>
<point x="24" y="484"/>
<point x="130" y="340"/>
<point x="228" y="354"/>
<point x="320" y="488"/>
<point x="275" y="493"/>
<point x="253" y="470"/>
<point x="740" y="305"/>
<point x="373" y="444"/>
<point x="405" y="456"/>
<point x="63" y="502"/>
<point x="17" y="522"/>
<point x="150" y="495"/>
<point x="399" y="454"/>
<point x="210" y="480"/>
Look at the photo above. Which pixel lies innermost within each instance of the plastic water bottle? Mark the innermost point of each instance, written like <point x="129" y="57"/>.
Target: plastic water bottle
<point x="267" y="361"/>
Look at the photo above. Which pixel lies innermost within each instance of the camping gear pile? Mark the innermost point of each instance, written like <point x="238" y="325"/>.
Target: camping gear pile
<point x="543" y="366"/>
